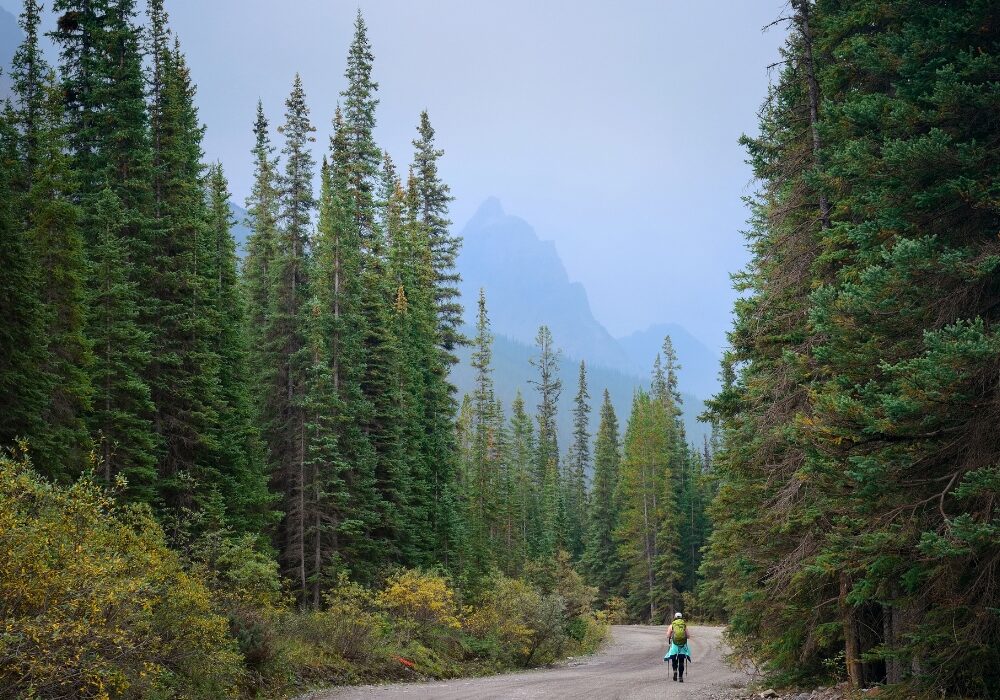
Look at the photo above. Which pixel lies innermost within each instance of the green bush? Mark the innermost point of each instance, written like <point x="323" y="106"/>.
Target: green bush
<point x="94" y="604"/>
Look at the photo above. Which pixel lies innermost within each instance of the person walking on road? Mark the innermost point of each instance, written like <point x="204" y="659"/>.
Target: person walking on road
<point x="679" y="650"/>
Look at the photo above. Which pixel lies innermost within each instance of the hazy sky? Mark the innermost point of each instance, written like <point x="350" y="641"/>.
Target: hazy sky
<point x="611" y="126"/>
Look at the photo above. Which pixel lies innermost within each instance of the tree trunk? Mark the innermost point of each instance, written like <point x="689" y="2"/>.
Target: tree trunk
<point x="847" y="616"/>
<point x="890" y="630"/>
<point x="802" y="19"/>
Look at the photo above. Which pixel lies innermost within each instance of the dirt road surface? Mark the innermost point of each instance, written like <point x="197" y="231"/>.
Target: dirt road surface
<point x="629" y="667"/>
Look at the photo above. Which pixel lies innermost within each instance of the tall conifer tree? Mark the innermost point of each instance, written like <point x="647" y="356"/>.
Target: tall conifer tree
<point x="522" y="499"/>
<point x="482" y="483"/>
<point x="262" y="247"/>
<point x="600" y="557"/>
<point x="126" y="443"/>
<point x="284" y="417"/>
<point x="108" y="133"/>
<point x="577" y="465"/>
<point x="23" y="390"/>
<point x="240" y="452"/>
<point x="182" y="291"/>
<point x="646" y="530"/>
<point x="549" y="386"/>
<point x="434" y="197"/>
<point x="50" y="219"/>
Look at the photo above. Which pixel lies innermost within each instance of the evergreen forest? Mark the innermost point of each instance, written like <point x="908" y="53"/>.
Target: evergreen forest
<point x="247" y="473"/>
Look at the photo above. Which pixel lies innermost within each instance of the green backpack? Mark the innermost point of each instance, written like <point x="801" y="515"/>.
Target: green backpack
<point x="680" y="632"/>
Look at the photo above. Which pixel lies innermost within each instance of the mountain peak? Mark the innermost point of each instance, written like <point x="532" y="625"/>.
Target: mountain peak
<point x="527" y="286"/>
<point x="489" y="210"/>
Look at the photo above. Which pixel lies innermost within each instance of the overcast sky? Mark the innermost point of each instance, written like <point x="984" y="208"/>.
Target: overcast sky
<point x="611" y="126"/>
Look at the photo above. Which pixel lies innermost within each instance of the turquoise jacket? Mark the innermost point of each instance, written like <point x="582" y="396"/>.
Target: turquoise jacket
<point x="675" y="650"/>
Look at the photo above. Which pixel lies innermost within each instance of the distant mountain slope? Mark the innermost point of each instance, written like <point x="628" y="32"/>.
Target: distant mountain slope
<point x="239" y="229"/>
<point x="699" y="365"/>
<point x="527" y="286"/>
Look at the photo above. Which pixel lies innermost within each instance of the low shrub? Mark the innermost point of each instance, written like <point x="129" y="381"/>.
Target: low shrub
<point x="615" y="611"/>
<point x="423" y="598"/>
<point x="94" y="604"/>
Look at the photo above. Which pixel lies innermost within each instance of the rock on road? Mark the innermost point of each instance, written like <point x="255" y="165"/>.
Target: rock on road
<point x="629" y="667"/>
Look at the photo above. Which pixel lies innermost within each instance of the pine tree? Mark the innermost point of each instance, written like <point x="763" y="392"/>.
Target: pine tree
<point x="483" y="481"/>
<point x="50" y="219"/>
<point x="434" y="197"/>
<point x="284" y="417"/>
<point x="107" y="127"/>
<point x="522" y="498"/>
<point x="546" y="471"/>
<point x="577" y="465"/>
<point x="258" y="266"/>
<point x="240" y="452"/>
<point x="23" y="391"/>
<point x="337" y="287"/>
<point x="646" y="531"/>
<point x="125" y="440"/>
<point x="600" y="558"/>
<point x="181" y="285"/>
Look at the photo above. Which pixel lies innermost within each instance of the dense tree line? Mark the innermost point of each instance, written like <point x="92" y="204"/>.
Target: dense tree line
<point x="303" y="392"/>
<point x="628" y="511"/>
<point x="856" y="523"/>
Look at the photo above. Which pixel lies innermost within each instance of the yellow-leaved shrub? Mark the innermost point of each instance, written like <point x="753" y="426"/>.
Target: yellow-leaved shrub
<point x="424" y="598"/>
<point x="94" y="605"/>
<point x="507" y="616"/>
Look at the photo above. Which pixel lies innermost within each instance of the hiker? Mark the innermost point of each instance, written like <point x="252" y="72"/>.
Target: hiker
<point x="679" y="649"/>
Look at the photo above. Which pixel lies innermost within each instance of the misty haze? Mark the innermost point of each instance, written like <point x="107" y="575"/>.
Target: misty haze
<point x="474" y="349"/>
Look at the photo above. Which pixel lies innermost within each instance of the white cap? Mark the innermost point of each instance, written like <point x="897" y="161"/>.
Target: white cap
<point x="677" y="616"/>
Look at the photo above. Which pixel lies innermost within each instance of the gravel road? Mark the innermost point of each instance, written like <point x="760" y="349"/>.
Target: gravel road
<point x="629" y="666"/>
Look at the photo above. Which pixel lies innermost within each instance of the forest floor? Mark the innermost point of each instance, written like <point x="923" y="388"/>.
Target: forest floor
<point x="629" y="666"/>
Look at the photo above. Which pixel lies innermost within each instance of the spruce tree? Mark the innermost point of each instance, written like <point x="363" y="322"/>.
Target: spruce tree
<point x="410" y="264"/>
<point x="126" y="443"/>
<point x="362" y="156"/>
<point x="337" y="287"/>
<point x="852" y="522"/>
<point x="384" y="306"/>
<point x="546" y="471"/>
<point x="50" y="219"/>
<point x="103" y="89"/>
<point x="646" y="530"/>
<point x="434" y="196"/>
<point x="258" y="265"/>
<point x="523" y="504"/>
<point x="600" y="557"/>
<point x="239" y="449"/>
<point x="383" y="355"/>
<point x="440" y="452"/>
<point x="23" y="390"/>
<point x="182" y="289"/>
<point x="284" y="417"/>
<point x="577" y="466"/>
<point x="482" y="482"/>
